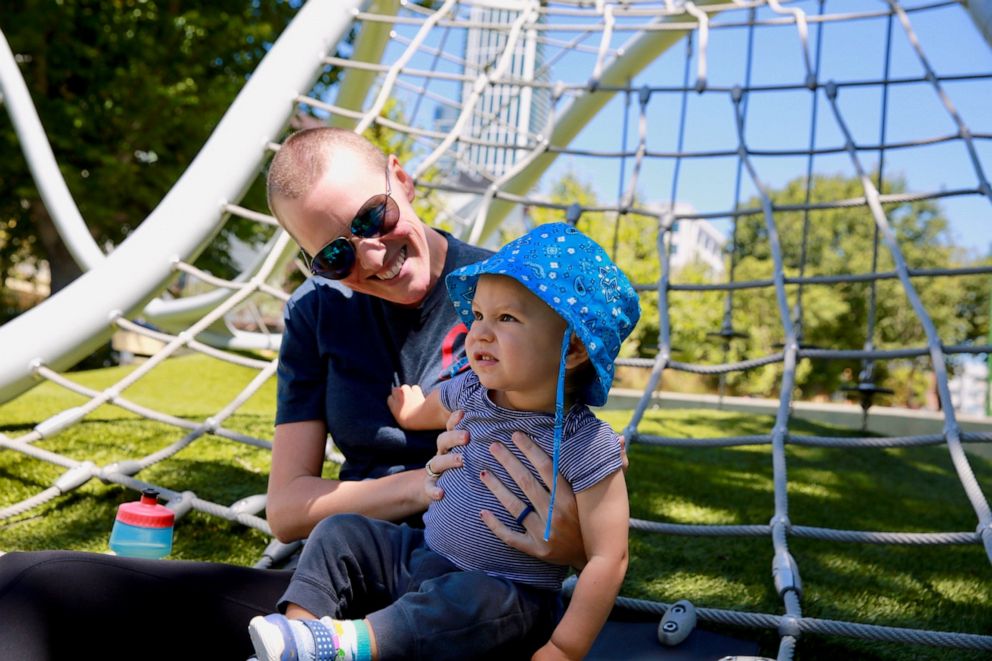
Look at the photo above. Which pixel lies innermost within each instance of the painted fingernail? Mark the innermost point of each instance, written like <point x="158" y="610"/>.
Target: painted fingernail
<point x="482" y="474"/>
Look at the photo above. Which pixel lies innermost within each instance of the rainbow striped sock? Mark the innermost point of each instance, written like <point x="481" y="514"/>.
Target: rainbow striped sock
<point x="353" y="638"/>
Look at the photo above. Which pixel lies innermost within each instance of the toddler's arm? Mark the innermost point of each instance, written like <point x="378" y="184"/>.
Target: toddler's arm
<point x="413" y="410"/>
<point x="604" y="516"/>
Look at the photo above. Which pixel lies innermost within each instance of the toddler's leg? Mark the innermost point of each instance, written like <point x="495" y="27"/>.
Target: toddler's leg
<point x="350" y="565"/>
<point x="278" y="638"/>
<point x="466" y="615"/>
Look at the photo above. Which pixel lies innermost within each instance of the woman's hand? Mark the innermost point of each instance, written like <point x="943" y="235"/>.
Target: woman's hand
<point x="565" y="546"/>
<point x="443" y="460"/>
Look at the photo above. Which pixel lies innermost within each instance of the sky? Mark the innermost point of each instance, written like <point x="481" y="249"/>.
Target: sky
<point x="850" y="51"/>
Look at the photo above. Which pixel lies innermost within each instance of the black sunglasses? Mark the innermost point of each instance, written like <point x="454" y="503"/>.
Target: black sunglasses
<point x="377" y="216"/>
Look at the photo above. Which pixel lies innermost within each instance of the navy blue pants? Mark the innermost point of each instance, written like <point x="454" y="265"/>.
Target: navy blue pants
<point x="418" y="603"/>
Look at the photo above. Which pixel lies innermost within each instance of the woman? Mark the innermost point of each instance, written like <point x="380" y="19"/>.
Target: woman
<point x="343" y="349"/>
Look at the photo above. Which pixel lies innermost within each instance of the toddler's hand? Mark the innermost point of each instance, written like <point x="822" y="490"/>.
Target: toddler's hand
<point x="404" y="402"/>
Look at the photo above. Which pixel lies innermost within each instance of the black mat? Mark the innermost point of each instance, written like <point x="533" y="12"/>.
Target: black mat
<point x="631" y="636"/>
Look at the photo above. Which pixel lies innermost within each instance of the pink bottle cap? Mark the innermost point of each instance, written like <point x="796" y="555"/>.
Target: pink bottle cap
<point x="146" y="513"/>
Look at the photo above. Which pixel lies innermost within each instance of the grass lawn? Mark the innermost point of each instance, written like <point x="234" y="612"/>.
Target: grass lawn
<point x="945" y="588"/>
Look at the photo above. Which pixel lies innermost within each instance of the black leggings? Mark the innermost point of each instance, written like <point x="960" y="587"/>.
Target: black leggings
<point x="68" y="604"/>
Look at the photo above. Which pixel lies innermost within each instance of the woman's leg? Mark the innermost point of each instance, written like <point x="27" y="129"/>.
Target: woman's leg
<point x="61" y="604"/>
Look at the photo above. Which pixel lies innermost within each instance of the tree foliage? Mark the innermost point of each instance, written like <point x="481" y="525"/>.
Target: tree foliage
<point x="838" y="241"/>
<point x="127" y="91"/>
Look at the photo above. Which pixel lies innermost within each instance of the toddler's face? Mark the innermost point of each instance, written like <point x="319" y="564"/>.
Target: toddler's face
<point x="514" y="344"/>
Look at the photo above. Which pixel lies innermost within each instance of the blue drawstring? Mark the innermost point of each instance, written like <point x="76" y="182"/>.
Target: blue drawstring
<point x="559" y="425"/>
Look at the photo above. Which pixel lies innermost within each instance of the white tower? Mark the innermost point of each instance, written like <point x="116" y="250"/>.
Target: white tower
<point x="506" y="114"/>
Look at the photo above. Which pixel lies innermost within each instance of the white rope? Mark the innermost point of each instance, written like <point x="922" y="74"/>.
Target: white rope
<point x="611" y="72"/>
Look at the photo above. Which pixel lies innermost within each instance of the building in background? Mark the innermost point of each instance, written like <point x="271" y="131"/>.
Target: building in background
<point x="510" y="118"/>
<point x="698" y="241"/>
<point x="969" y="387"/>
<point x="508" y="115"/>
<point x="513" y="116"/>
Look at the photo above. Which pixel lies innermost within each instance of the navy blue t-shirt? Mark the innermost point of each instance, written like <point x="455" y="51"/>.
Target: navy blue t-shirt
<point x="343" y="351"/>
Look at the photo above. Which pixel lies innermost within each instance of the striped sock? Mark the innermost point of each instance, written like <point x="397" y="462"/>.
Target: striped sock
<point x="355" y="643"/>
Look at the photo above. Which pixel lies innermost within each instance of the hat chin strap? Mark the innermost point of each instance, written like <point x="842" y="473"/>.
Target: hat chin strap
<point x="559" y="425"/>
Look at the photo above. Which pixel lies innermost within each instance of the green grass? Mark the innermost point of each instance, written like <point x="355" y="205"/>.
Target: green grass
<point x="944" y="588"/>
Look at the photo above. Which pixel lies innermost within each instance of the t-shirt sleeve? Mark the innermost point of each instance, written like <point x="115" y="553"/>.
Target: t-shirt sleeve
<point x="455" y="391"/>
<point x="301" y="375"/>
<point x="593" y="451"/>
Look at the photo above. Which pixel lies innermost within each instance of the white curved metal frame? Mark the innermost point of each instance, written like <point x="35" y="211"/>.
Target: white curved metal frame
<point x="72" y="323"/>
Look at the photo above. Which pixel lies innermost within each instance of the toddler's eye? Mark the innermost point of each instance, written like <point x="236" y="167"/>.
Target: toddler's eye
<point x="507" y="317"/>
<point x="477" y="315"/>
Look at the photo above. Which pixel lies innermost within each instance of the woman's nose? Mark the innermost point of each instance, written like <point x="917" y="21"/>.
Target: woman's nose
<point x="371" y="253"/>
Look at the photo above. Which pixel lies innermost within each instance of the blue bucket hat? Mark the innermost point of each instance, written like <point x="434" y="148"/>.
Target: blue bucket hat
<point x="575" y="277"/>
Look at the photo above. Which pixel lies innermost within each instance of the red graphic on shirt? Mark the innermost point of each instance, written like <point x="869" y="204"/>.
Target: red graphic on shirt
<point x="448" y="345"/>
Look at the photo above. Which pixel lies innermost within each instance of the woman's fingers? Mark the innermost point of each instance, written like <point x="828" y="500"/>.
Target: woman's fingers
<point x="568" y="546"/>
<point x="521" y="541"/>
<point x="541" y="461"/>
<point x="624" y="461"/>
<point x="530" y="542"/>
<point x="506" y="498"/>
<point x="434" y="492"/>
<point x="437" y="465"/>
<point x="452" y="437"/>
<point x="453" y="419"/>
<point x="442" y="462"/>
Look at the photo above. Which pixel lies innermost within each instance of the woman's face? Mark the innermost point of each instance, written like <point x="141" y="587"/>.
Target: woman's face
<point x="401" y="266"/>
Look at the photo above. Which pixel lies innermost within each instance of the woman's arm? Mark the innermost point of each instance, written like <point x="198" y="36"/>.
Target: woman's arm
<point x="298" y="498"/>
<point x="605" y="518"/>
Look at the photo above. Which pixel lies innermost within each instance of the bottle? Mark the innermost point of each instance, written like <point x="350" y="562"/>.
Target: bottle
<point x="143" y="529"/>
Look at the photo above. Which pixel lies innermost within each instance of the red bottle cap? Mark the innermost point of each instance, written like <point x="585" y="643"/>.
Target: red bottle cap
<point x="146" y="513"/>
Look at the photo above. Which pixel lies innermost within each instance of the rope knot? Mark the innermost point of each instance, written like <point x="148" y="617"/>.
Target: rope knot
<point x="788" y="625"/>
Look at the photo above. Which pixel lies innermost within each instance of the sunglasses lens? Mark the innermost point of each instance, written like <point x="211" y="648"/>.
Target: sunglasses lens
<point x="377" y="216"/>
<point x="335" y="260"/>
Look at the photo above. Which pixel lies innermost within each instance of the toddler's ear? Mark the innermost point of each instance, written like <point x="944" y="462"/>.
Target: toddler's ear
<point x="577" y="353"/>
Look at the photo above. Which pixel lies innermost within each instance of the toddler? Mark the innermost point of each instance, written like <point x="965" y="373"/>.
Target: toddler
<point x="545" y="316"/>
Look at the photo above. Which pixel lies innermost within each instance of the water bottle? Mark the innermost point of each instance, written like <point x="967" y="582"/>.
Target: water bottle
<point x="143" y="529"/>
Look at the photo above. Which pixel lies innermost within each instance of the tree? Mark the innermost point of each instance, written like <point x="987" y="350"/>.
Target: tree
<point x="631" y="240"/>
<point x="836" y="315"/>
<point x="128" y="91"/>
<point x="833" y="316"/>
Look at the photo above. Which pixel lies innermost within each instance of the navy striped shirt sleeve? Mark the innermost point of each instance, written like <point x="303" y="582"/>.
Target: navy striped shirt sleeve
<point x="594" y="452"/>
<point x="453" y="392"/>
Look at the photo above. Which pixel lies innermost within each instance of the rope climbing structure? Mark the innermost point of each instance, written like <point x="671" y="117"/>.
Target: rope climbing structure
<point x="502" y="92"/>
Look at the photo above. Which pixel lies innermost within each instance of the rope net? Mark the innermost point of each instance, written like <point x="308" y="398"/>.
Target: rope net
<point x="485" y="99"/>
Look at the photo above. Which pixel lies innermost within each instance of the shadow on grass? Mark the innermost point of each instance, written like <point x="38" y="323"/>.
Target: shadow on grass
<point x="216" y="469"/>
<point x="946" y="588"/>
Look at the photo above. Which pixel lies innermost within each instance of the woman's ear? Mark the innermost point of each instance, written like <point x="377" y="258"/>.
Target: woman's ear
<point x="405" y="180"/>
<point x="577" y="353"/>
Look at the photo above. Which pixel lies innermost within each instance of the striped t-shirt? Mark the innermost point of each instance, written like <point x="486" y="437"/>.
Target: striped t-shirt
<point x="589" y="452"/>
